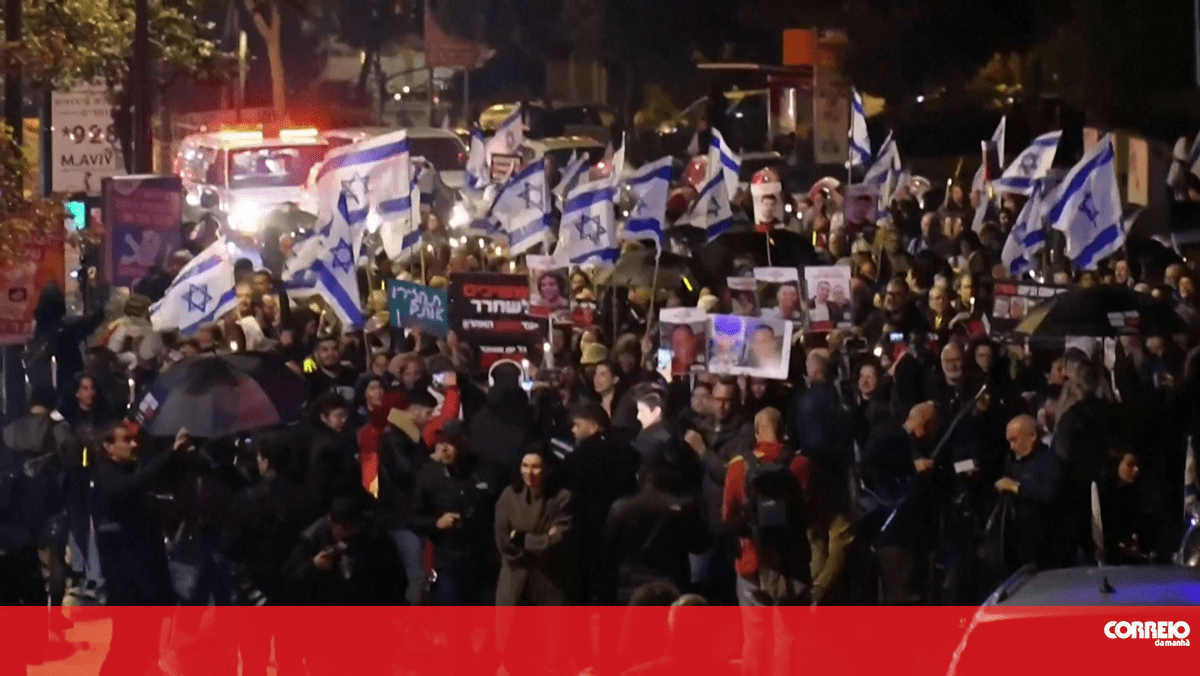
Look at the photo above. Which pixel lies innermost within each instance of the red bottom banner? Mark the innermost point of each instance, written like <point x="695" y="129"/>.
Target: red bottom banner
<point x="643" y="641"/>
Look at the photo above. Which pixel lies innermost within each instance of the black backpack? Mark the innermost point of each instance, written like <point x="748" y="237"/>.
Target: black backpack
<point x="774" y="506"/>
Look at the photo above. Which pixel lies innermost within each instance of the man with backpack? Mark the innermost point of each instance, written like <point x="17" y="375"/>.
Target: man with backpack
<point x="764" y="505"/>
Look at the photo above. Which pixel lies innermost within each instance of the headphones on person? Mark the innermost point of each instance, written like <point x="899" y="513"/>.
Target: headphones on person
<point x="526" y="383"/>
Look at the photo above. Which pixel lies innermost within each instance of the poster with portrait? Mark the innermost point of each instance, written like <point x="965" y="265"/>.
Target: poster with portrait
<point x="858" y="208"/>
<point x="549" y="285"/>
<point x="684" y="331"/>
<point x="743" y="296"/>
<point x="768" y="203"/>
<point x="828" y="297"/>
<point x="727" y="342"/>
<point x="778" y="291"/>
<point x="766" y="348"/>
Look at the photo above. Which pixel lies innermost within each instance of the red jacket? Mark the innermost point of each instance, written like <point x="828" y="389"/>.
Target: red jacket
<point x="735" y="497"/>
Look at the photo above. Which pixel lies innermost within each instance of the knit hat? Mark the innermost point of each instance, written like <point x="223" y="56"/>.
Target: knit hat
<point x="593" y="353"/>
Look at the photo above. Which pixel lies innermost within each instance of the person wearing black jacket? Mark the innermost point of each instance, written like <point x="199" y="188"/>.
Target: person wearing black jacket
<point x="1033" y="480"/>
<point x="452" y="506"/>
<point x="328" y="373"/>
<point x="133" y="556"/>
<point x="649" y="535"/>
<point x="57" y="339"/>
<point x="340" y="561"/>
<point x="503" y="430"/>
<point x="261" y="530"/>
<point x="401" y="460"/>
<point x="601" y="469"/>
<point x="330" y="466"/>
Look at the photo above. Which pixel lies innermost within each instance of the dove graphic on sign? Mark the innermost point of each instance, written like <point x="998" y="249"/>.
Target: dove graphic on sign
<point x="144" y="253"/>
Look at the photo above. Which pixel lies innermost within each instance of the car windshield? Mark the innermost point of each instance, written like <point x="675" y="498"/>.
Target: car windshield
<point x="273" y="167"/>
<point x="444" y="153"/>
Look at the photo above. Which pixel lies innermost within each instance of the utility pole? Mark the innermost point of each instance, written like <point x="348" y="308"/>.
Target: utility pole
<point x="143" y="139"/>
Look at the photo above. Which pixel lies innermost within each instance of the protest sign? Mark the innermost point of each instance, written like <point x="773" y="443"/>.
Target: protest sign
<point x="1012" y="301"/>
<point x="684" y="331"/>
<point x="828" y="288"/>
<point x="21" y="283"/>
<point x="779" y="293"/>
<point x="411" y="304"/>
<point x="142" y="217"/>
<point x="490" y="311"/>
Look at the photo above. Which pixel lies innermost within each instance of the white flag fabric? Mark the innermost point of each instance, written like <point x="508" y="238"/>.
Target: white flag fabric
<point x="860" y="141"/>
<point x="202" y="292"/>
<point x="571" y="174"/>
<point x="509" y="136"/>
<point x="1030" y="165"/>
<point x="332" y="274"/>
<point x="520" y="208"/>
<point x="1086" y="207"/>
<point x="587" y="231"/>
<point x="722" y="161"/>
<point x="650" y="187"/>
<point x="1027" y="236"/>
<point x="710" y="211"/>
<point x="478" y="174"/>
<point x="887" y="163"/>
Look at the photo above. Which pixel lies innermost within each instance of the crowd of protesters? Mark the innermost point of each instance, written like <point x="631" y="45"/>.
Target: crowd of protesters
<point x="913" y="459"/>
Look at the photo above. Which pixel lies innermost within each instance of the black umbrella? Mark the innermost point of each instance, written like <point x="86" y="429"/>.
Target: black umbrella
<point x="636" y="269"/>
<point x="213" y="396"/>
<point x="1099" y="312"/>
<point x="782" y="248"/>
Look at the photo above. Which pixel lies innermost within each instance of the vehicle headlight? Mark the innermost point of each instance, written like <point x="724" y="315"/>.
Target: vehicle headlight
<point x="245" y="217"/>
<point x="459" y="217"/>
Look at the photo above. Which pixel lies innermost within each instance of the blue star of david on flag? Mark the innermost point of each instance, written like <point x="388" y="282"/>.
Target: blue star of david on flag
<point x="197" y="298"/>
<point x="1087" y="207"/>
<point x="532" y="196"/>
<point x="593" y="233"/>
<point x="1029" y="164"/>
<point x="343" y="256"/>
<point x="356" y="188"/>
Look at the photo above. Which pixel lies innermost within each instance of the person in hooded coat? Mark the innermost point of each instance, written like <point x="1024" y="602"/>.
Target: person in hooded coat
<point x="504" y="429"/>
<point x="533" y="526"/>
<point x="57" y="340"/>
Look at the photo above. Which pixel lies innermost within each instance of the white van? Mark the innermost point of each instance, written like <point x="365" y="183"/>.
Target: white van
<point x="244" y="174"/>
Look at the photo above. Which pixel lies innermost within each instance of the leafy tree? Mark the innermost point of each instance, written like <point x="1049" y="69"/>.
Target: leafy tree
<point x="70" y="41"/>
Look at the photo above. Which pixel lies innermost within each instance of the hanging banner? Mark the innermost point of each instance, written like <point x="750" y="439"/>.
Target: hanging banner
<point x="142" y="220"/>
<point x="831" y="101"/>
<point x="411" y="304"/>
<point x="490" y="311"/>
<point x="21" y="283"/>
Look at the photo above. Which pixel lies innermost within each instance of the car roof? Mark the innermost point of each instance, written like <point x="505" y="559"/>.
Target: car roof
<point x="1103" y="586"/>
<point x="360" y="133"/>
<point x="235" y="141"/>
<point x="564" y="143"/>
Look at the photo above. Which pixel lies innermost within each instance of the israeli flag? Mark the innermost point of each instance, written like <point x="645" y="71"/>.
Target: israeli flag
<point x="587" y="232"/>
<point x="520" y="208"/>
<point x="332" y="275"/>
<point x="887" y="164"/>
<point x="1027" y="236"/>
<point x="723" y="162"/>
<point x="649" y="187"/>
<point x="860" y="141"/>
<point x="509" y="136"/>
<point x="202" y="292"/>
<point x="401" y="237"/>
<point x="1033" y="163"/>
<point x="478" y="175"/>
<point x="1086" y="207"/>
<point x="571" y="175"/>
<point x="711" y="210"/>
<point x="370" y="174"/>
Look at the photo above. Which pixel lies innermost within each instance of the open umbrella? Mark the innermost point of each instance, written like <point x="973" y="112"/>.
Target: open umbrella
<point x="783" y="248"/>
<point x="1101" y="312"/>
<point x="635" y="268"/>
<point x="217" y="395"/>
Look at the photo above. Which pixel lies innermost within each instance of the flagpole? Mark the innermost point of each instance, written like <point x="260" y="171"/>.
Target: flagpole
<point x="654" y="286"/>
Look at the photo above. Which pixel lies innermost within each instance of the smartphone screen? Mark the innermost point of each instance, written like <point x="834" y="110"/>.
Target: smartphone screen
<point x="664" y="359"/>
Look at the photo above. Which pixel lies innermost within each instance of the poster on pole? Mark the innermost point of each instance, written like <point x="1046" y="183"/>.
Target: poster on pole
<point x="778" y="292"/>
<point x="143" y="218"/>
<point x="83" y="148"/>
<point x="828" y="288"/>
<point x="684" y="332"/>
<point x="22" y="280"/>
<point x="490" y="311"/>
